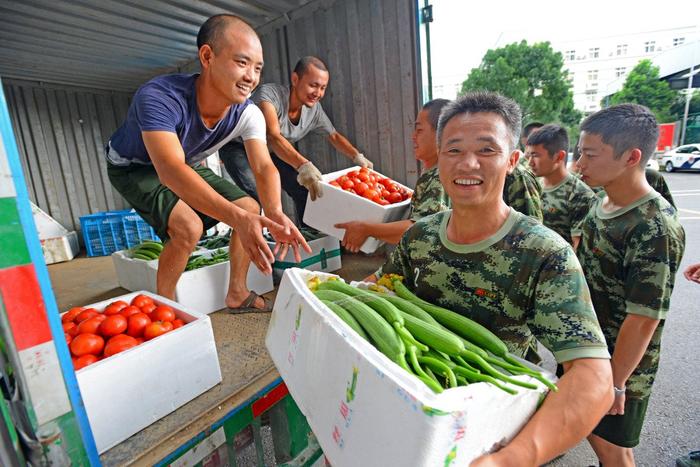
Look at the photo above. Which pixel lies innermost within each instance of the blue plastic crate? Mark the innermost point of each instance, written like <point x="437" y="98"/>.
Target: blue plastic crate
<point x="107" y="232"/>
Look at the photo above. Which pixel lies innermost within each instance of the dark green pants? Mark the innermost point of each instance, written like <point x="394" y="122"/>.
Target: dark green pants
<point x="141" y="187"/>
<point x="624" y="430"/>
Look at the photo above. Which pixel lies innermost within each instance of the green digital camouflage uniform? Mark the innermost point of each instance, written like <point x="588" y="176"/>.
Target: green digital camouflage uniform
<point x="630" y="258"/>
<point x="522" y="192"/>
<point x="429" y="196"/>
<point x="522" y="283"/>
<point x="565" y="205"/>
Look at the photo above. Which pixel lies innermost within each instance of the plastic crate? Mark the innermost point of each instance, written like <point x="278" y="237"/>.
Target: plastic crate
<point x="107" y="232"/>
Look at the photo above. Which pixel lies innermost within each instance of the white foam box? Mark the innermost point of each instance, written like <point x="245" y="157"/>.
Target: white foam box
<point x="154" y="378"/>
<point x="325" y="256"/>
<point x="337" y="205"/>
<point x="202" y="289"/>
<point x="58" y="244"/>
<point x="366" y="410"/>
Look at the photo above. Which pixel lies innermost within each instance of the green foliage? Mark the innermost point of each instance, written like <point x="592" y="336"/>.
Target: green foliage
<point x="533" y="76"/>
<point x="644" y="87"/>
<point x="678" y="107"/>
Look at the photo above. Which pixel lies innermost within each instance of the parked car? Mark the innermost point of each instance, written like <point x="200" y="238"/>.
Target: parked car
<point x="686" y="157"/>
<point x="652" y="164"/>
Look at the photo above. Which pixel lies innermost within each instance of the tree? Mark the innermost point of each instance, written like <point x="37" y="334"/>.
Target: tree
<point x="533" y="76"/>
<point x="644" y="86"/>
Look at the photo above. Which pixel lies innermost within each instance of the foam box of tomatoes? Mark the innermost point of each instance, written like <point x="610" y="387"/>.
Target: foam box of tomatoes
<point x="337" y="205"/>
<point x="202" y="289"/>
<point x="127" y="392"/>
<point x="366" y="410"/>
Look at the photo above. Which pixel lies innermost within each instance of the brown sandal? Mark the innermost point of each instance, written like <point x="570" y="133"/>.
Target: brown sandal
<point x="247" y="306"/>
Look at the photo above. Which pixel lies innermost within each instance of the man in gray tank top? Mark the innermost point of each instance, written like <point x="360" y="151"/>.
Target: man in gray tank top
<point x="290" y="114"/>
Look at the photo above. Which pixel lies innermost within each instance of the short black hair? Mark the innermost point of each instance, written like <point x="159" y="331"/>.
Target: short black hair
<point x="527" y="129"/>
<point x="480" y="102"/>
<point x="434" y="108"/>
<point x="553" y="138"/>
<point x="305" y="62"/>
<point x="624" y="127"/>
<point x="213" y="28"/>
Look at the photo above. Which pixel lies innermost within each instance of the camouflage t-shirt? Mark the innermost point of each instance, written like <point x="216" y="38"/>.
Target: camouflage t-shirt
<point x="429" y="197"/>
<point x="565" y="206"/>
<point x="522" y="283"/>
<point x="522" y="192"/>
<point x="630" y="258"/>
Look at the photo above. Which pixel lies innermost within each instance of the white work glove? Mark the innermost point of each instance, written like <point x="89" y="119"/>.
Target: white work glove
<point x="310" y="178"/>
<point x="362" y="161"/>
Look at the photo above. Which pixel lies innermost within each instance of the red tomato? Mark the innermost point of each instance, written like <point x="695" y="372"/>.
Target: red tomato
<point x="91" y="325"/>
<point x="68" y="325"/>
<point x="113" y="325"/>
<point x="129" y="310"/>
<point x="155" y="329"/>
<point x="341" y="179"/>
<point x="136" y="324"/>
<point x="84" y="344"/>
<point x="68" y="338"/>
<point x="87" y="313"/>
<point x="334" y="183"/>
<point x="119" y="344"/>
<point x="347" y="184"/>
<point x="394" y="197"/>
<point x="354" y="173"/>
<point x="393" y="188"/>
<point x="178" y="323"/>
<point x="113" y="309"/>
<point x="85" y="360"/>
<point x="370" y="194"/>
<point x="148" y="308"/>
<point x="385" y="193"/>
<point x="139" y="340"/>
<point x="361" y="187"/>
<point x="163" y="313"/>
<point x="70" y="315"/>
<point x="141" y="300"/>
<point x="383" y="202"/>
<point x="363" y="177"/>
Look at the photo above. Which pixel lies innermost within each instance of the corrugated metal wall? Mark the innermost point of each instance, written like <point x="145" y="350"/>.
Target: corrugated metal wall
<point x="60" y="133"/>
<point x="368" y="45"/>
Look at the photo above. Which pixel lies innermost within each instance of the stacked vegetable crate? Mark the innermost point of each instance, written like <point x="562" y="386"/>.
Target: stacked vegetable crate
<point x="355" y="395"/>
<point x="201" y="287"/>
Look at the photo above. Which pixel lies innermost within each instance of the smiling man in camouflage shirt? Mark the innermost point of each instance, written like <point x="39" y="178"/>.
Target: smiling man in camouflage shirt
<point x="565" y="198"/>
<point x="508" y="272"/>
<point x="631" y="248"/>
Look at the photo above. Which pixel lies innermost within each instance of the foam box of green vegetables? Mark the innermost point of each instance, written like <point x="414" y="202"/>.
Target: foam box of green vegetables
<point x="411" y="403"/>
<point x="203" y="285"/>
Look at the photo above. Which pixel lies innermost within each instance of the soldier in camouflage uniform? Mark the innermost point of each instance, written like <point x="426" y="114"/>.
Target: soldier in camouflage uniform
<point x="630" y="250"/>
<point x="565" y="198"/>
<point x="508" y="272"/>
<point x="428" y="197"/>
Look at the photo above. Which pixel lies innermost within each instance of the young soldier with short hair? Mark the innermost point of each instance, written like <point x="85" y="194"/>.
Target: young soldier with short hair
<point x="566" y="200"/>
<point x="508" y="272"/>
<point x="630" y="251"/>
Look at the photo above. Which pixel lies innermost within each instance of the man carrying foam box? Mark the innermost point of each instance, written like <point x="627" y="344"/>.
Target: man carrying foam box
<point x="508" y="272"/>
<point x="173" y="124"/>
<point x="291" y="113"/>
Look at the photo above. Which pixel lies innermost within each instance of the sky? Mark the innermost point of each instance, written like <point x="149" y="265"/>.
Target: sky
<point x="462" y="31"/>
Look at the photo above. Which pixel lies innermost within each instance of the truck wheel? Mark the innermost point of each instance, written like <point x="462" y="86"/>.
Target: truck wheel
<point x="669" y="166"/>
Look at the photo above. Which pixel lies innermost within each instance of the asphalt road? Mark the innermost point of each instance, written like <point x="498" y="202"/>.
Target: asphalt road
<point x="672" y="425"/>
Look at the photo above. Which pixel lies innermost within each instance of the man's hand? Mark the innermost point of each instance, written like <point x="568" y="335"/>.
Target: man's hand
<point x="692" y="273"/>
<point x="362" y="161"/>
<point x="249" y="228"/>
<point x="618" y="407"/>
<point x="355" y="235"/>
<point x="310" y="177"/>
<point x="287" y="236"/>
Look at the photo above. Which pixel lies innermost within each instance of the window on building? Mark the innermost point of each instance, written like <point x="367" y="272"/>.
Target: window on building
<point x="621" y="49"/>
<point x="592" y="97"/>
<point x="620" y="71"/>
<point x="592" y="76"/>
<point x="649" y="46"/>
<point x="570" y="55"/>
<point x="678" y="41"/>
<point x="594" y="52"/>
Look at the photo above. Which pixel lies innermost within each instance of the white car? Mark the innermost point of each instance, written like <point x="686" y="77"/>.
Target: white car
<point x="685" y="157"/>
